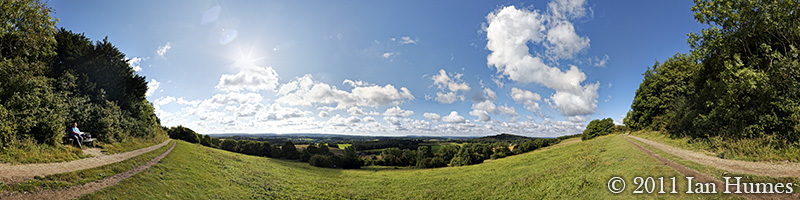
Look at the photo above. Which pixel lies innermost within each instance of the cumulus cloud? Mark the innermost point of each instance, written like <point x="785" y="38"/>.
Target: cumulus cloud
<point x="152" y="86"/>
<point x="449" y="81"/>
<point x="432" y="116"/>
<point x="338" y="120"/>
<point x="251" y="78"/>
<point x="305" y="91"/>
<point x="163" y="49"/>
<point x="482" y="110"/>
<point x="278" y="112"/>
<point x="357" y="111"/>
<point x="527" y="98"/>
<point x="135" y="61"/>
<point x="510" y="29"/>
<point x="600" y="62"/>
<point x="397" y="112"/>
<point x="453" y="117"/>
<point x="323" y="114"/>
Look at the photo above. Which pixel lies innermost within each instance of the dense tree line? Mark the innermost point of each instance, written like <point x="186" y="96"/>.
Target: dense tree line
<point x="740" y="80"/>
<point x="382" y="144"/>
<point x="50" y="79"/>
<point x="316" y="155"/>
<point x="455" y="155"/>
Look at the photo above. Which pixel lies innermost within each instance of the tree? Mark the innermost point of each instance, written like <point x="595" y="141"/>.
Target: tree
<point x="351" y="160"/>
<point x="747" y="85"/>
<point x="598" y="128"/>
<point x="229" y="145"/>
<point x="289" y="151"/>
<point x="183" y="133"/>
<point x="447" y="152"/>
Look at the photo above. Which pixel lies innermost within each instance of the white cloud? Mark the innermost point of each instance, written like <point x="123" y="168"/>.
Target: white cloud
<point x="527" y="98"/>
<point x="387" y="54"/>
<point x="357" y="111"/>
<point x="576" y="119"/>
<point x="432" y="116"/>
<point x="338" y="120"/>
<point x="564" y="42"/>
<point x="508" y="32"/>
<point x="251" y="78"/>
<point x="405" y="40"/>
<point x="489" y="93"/>
<point x="449" y="97"/>
<point x="397" y="112"/>
<point x="507" y="110"/>
<point x="277" y="112"/>
<point x="305" y="91"/>
<point x="453" y="117"/>
<point x="163" y="49"/>
<point x="152" y="86"/>
<point x="582" y="102"/>
<point x="135" y="62"/>
<point x="323" y="114"/>
<point x="600" y="62"/>
<point x="443" y="82"/>
<point x="235" y="98"/>
<point x="455" y="84"/>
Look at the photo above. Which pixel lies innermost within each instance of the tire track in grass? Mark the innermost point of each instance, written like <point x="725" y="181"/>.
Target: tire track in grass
<point x="77" y="191"/>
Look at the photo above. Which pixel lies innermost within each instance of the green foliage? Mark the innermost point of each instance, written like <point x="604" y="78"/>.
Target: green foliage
<point x="741" y="80"/>
<point x="289" y="151"/>
<point x="598" y="128"/>
<point x="229" y="145"/>
<point x="50" y="79"/>
<point x="467" y="155"/>
<point x="351" y="160"/>
<point x="183" y="133"/>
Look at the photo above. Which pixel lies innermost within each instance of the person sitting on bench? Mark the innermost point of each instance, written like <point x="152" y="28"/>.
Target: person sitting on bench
<point x="77" y="135"/>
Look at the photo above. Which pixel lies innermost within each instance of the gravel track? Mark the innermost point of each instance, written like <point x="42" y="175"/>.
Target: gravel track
<point x="80" y="190"/>
<point x="735" y="166"/>
<point x="10" y="174"/>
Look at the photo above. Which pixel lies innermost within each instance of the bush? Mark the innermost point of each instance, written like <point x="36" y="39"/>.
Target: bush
<point x="598" y="128"/>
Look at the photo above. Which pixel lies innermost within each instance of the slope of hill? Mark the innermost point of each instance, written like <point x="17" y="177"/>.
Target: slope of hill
<point x="577" y="170"/>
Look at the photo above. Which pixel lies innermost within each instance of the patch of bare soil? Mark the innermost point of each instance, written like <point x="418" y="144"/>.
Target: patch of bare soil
<point x="10" y="174"/>
<point x="77" y="191"/>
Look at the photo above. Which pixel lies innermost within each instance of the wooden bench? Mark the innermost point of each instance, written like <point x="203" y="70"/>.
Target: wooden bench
<point x="86" y="135"/>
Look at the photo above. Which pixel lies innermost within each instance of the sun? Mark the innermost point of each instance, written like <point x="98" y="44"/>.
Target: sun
<point x="247" y="58"/>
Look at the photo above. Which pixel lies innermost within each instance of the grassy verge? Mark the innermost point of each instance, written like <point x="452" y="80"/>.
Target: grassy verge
<point x="720" y="173"/>
<point x="576" y="171"/>
<point x="759" y="149"/>
<point x="29" y="151"/>
<point x="82" y="176"/>
<point x="132" y="144"/>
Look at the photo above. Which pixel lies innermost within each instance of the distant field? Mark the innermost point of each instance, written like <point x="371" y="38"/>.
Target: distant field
<point x="572" y="171"/>
<point x="342" y="146"/>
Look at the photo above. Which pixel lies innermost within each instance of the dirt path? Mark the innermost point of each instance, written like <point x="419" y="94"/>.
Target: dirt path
<point x="704" y="178"/>
<point x="735" y="166"/>
<point x="77" y="191"/>
<point x="10" y="174"/>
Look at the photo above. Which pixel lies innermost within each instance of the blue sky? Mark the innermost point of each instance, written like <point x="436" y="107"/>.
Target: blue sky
<point x="535" y="68"/>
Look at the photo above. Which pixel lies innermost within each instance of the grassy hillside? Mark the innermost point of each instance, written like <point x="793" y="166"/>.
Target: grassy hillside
<point x="579" y="170"/>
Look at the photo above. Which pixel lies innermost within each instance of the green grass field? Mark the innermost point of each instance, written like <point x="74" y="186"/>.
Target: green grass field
<point x="575" y="171"/>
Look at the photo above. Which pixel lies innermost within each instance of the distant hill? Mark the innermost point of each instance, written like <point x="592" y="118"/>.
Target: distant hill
<point x="505" y="137"/>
